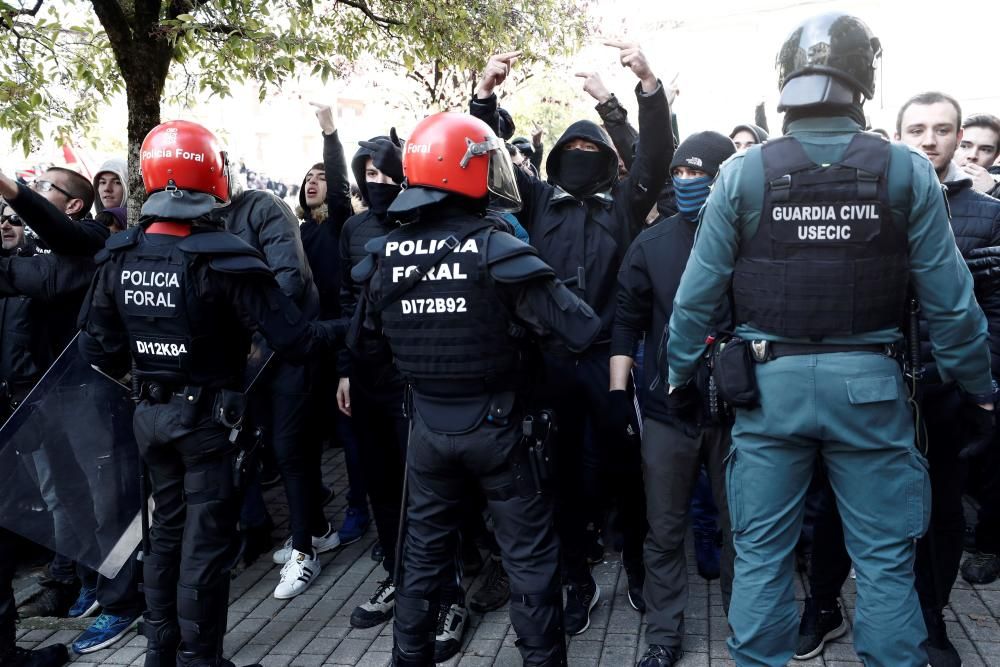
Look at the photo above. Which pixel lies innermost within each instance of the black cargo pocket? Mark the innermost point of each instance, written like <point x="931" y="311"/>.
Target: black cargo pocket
<point x="918" y="496"/>
<point x="734" y="495"/>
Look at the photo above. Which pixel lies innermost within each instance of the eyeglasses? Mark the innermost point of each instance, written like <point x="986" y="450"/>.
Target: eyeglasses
<point x="45" y="186"/>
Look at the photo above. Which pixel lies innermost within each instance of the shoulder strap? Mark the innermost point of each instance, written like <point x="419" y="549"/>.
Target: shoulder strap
<point x="415" y="276"/>
<point x="116" y="242"/>
<point x="869" y="155"/>
<point x="783" y="157"/>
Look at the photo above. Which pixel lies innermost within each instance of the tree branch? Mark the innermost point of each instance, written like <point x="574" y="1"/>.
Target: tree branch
<point x="116" y="27"/>
<point x="362" y="6"/>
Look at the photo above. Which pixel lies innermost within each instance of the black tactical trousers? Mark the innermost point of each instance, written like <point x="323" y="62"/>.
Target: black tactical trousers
<point x="939" y="551"/>
<point x="440" y="468"/>
<point x="8" y="609"/>
<point x="595" y="465"/>
<point x="382" y="432"/>
<point x="193" y="530"/>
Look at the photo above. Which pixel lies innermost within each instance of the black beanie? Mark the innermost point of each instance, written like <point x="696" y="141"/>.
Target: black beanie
<point x="759" y="134"/>
<point x="704" y="151"/>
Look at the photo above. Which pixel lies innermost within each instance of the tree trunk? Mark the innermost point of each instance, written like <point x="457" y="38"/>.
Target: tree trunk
<point x="143" y="115"/>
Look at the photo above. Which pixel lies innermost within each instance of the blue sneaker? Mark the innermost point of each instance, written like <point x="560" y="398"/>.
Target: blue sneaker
<point x="86" y="603"/>
<point x="103" y="632"/>
<point x="355" y="524"/>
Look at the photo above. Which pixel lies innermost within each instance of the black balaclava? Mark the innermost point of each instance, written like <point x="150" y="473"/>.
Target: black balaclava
<point x="582" y="173"/>
<point x="380" y="195"/>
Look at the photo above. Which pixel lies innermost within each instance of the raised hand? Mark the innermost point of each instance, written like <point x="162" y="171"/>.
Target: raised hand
<point x="324" y="113"/>
<point x="594" y="87"/>
<point x="631" y="56"/>
<point x="496" y="71"/>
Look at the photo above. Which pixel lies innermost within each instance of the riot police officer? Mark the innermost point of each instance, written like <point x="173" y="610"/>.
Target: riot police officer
<point x="445" y="289"/>
<point x="179" y="297"/>
<point x="818" y="234"/>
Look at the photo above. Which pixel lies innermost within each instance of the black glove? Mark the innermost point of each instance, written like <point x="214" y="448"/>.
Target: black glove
<point x="387" y="157"/>
<point x="984" y="263"/>
<point x="684" y="409"/>
<point x="978" y="424"/>
<point x="622" y="415"/>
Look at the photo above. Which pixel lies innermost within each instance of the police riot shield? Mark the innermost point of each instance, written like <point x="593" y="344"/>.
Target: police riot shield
<point x="69" y="464"/>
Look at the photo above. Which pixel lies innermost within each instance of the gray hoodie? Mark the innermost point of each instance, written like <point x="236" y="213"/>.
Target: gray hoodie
<point x="114" y="166"/>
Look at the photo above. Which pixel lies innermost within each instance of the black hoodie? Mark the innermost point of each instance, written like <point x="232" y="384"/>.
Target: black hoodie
<point x="321" y="238"/>
<point x="358" y="230"/>
<point x="588" y="238"/>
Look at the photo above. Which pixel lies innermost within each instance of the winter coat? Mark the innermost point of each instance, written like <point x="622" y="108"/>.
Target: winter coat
<point x="584" y="240"/>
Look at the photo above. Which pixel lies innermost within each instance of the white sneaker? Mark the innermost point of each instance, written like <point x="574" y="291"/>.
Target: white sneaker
<point x="450" y="628"/>
<point x="379" y="607"/>
<point x="326" y="542"/>
<point x="297" y="574"/>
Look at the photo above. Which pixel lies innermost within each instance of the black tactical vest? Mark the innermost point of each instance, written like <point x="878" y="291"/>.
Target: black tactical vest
<point x="827" y="259"/>
<point x="451" y="326"/>
<point x="177" y="335"/>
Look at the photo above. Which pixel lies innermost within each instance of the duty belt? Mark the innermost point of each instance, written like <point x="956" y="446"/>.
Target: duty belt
<point x="766" y="350"/>
<point x="161" y="392"/>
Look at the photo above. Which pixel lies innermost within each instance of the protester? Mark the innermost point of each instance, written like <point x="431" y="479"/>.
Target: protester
<point x="978" y="149"/>
<point x="581" y="225"/>
<point x="261" y="219"/>
<point x="672" y="452"/>
<point x="111" y="185"/>
<point x="745" y="136"/>
<point x="324" y="206"/>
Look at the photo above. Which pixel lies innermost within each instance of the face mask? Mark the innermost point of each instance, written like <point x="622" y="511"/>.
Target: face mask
<point x="583" y="173"/>
<point x="380" y="195"/>
<point x="691" y="194"/>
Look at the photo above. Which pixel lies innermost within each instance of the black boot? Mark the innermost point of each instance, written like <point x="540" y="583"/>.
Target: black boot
<point x="50" y="656"/>
<point x="163" y="637"/>
<point x="413" y="630"/>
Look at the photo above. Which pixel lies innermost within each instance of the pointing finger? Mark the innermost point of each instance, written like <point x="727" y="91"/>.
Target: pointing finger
<point x="619" y="44"/>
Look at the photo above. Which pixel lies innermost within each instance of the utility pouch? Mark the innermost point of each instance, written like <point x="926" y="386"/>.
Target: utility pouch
<point x="247" y="459"/>
<point x="539" y="430"/>
<point x="734" y="374"/>
<point x="229" y="408"/>
<point x="191" y="409"/>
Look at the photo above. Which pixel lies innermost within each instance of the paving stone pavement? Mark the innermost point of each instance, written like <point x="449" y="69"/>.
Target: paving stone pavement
<point x="313" y="629"/>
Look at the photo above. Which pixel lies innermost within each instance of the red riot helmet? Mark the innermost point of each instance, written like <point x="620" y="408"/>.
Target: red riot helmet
<point x="184" y="170"/>
<point x="456" y="154"/>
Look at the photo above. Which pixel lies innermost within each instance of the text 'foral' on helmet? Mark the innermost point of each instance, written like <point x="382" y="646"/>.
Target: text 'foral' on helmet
<point x="456" y="154"/>
<point x="182" y="155"/>
<point x="828" y="59"/>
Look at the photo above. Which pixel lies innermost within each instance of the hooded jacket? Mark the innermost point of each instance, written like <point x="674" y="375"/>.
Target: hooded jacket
<point x="321" y="233"/>
<point x="114" y="166"/>
<point x="358" y="231"/>
<point x="584" y="240"/>
<point x="266" y="223"/>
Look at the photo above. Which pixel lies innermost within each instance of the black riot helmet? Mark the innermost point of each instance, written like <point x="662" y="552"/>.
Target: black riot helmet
<point x="828" y="59"/>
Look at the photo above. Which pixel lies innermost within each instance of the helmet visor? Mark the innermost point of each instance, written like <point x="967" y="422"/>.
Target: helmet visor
<point x="502" y="183"/>
<point x="500" y="180"/>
